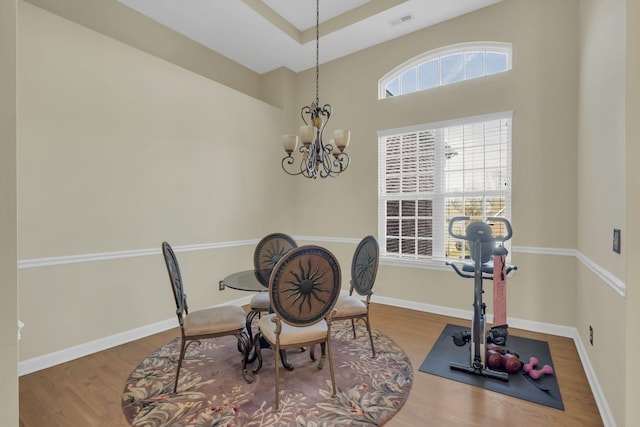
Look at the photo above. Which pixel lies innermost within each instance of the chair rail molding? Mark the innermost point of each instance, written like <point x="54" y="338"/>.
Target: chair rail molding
<point x="610" y="279"/>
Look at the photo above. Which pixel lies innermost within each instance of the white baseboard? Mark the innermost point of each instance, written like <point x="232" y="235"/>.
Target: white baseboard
<point x="52" y="359"/>
<point x="601" y="401"/>
<point x="38" y="363"/>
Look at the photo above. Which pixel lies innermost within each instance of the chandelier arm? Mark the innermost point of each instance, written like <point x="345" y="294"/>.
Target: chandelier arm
<point x="289" y="160"/>
<point x="305" y="110"/>
<point x="311" y="160"/>
<point x="342" y="161"/>
<point x="326" y="162"/>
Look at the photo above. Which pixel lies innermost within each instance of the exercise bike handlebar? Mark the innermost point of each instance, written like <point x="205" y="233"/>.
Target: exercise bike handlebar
<point x="507" y="225"/>
<point x="503" y="239"/>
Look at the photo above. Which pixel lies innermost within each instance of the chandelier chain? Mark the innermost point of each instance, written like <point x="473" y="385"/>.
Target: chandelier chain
<point x="317" y="51"/>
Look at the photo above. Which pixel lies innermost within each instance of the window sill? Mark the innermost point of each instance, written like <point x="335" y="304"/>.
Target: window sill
<point x="428" y="264"/>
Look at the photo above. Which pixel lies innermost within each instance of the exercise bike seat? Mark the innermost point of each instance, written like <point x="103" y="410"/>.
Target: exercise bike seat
<point x="487" y="267"/>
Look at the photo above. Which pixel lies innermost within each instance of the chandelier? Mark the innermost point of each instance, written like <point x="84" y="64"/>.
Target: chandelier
<point x="319" y="158"/>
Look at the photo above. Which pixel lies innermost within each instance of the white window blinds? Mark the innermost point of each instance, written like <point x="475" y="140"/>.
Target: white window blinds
<point x="430" y="173"/>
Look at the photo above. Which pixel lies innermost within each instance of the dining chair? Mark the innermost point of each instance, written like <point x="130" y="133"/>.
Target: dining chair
<point x="304" y="288"/>
<point x="266" y="255"/>
<point x="364" y="268"/>
<point x="211" y="322"/>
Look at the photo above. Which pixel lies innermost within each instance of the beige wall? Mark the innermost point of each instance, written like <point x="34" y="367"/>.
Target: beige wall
<point x="602" y="191"/>
<point x="8" y="232"/>
<point x="120" y="150"/>
<point x="632" y="389"/>
<point x="543" y="99"/>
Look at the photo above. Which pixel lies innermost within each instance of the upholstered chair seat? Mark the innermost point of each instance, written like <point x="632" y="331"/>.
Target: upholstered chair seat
<point x="260" y="302"/>
<point x="292" y="334"/>
<point x="348" y="306"/>
<point x="214" y="320"/>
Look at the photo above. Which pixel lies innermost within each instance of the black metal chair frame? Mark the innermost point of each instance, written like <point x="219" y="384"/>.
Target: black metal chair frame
<point x="364" y="268"/>
<point x="182" y="311"/>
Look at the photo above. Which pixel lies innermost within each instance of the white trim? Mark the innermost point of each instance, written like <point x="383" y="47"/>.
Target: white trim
<point x="328" y="239"/>
<point x="546" y="328"/>
<point x="611" y="280"/>
<point x="42" y="362"/>
<point x="601" y="401"/>
<point x="507" y="114"/>
<point x="105" y="256"/>
<point x="543" y="251"/>
<point x="427" y="264"/>
<point x="614" y="283"/>
<point x="48" y="360"/>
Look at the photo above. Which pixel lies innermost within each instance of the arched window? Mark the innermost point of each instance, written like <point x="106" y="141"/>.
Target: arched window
<point x="444" y="66"/>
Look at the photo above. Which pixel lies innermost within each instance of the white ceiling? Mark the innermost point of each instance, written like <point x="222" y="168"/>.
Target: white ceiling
<point x="267" y="34"/>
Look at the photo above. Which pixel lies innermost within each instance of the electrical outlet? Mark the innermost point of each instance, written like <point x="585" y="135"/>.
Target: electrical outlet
<point x="590" y="335"/>
<point x="616" y="240"/>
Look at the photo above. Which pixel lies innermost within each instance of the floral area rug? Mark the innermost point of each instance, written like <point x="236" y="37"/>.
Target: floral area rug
<point x="211" y="391"/>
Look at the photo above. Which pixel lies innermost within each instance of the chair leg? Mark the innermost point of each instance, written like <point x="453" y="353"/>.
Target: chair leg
<point x="366" y="320"/>
<point x="353" y="326"/>
<point x="277" y="353"/>
<point x="323" y="354"/>
<point x="312" y="352"/>
<point x="183" y="347"/>
<point x="250" y="316"/>
<point x="333" y="376"/>
<point x="245" y="342"/>
<point x="257" y="350"/>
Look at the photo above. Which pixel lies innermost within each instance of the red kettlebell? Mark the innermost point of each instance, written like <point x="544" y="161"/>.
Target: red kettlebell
<point x="494" y="359"/>
<point x="511" y="363"/>
<point x="495" y="348"/>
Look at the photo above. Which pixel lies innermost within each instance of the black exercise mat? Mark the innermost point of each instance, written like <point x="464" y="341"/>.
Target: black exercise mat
<point x="544" y="391"/>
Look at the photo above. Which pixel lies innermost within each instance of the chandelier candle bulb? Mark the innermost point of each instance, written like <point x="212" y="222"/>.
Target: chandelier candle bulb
<point x="290" y="143"/>
<point x="307" y="135"/>
<point x="342" y="138"/>
<point x="336" y="150"/>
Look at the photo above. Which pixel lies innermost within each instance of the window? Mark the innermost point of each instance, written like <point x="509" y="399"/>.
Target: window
<point x="445" y="66"/>
<point x="431" y="173"/>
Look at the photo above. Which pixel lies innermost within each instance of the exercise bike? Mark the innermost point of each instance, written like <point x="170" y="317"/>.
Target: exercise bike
<point x="483" y="246"/>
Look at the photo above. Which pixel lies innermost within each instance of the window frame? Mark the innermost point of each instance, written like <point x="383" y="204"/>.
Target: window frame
<point x="437" y="260"/>
<point x="447" y="51"/>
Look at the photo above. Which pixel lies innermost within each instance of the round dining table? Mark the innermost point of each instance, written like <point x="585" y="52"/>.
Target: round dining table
<point x="247" y="280"/>
<point x="250" y="280"/>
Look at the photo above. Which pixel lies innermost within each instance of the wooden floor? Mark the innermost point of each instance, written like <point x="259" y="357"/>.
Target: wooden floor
<point x="87" y="391"/>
